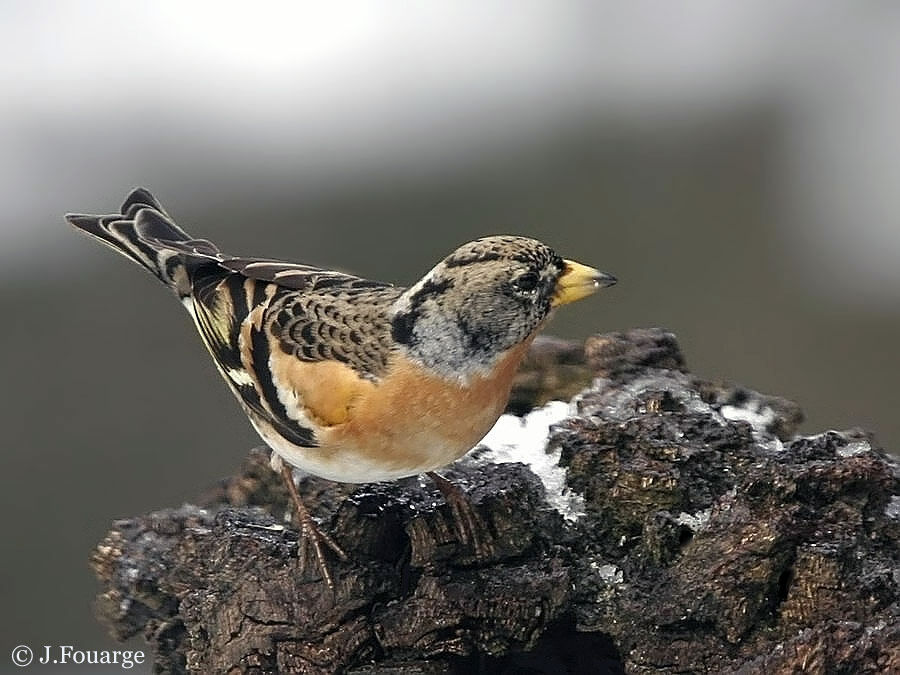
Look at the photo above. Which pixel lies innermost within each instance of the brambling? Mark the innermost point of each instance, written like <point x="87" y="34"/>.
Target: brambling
<point x="350" y="379"/>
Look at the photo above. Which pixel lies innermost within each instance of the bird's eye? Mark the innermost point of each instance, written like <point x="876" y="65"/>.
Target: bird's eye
<point x="526" y="282"/>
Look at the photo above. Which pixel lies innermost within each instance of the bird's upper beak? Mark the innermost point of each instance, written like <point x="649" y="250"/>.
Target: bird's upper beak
<point x="579" y="281"/>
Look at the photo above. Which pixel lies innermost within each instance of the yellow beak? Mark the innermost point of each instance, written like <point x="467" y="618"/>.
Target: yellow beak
<point x="579" y="281"/>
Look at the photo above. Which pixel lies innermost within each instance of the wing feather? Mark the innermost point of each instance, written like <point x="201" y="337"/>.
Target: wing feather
<point x="253" y="313"/>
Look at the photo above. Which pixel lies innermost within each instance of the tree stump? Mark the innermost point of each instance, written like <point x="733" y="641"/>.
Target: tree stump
<point x="666" y="524"/>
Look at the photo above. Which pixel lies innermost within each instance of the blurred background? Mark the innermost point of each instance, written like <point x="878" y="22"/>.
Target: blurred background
<point x="736" y="165"/>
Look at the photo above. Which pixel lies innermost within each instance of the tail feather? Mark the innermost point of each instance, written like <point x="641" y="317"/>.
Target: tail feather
<point x="140" y="198"/>
<point x="144" y="233"/>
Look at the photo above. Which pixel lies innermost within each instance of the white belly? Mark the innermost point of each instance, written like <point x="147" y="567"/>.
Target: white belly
<point x="348" y="465"/>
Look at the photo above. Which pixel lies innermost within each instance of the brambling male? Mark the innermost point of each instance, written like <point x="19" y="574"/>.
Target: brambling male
<point x="355" y="380"/>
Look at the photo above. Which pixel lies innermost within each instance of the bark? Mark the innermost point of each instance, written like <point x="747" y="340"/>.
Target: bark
<point x="711" y="538"/>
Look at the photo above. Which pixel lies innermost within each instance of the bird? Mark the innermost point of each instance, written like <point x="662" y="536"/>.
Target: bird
<point x="349" y="379"/>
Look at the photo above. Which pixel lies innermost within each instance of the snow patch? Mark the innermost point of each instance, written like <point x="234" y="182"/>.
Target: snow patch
<point x="694" y="521"/>
<point x="892" y="510"/>
<point x="853" y="448"/>
<point x="525" y="440"/>
<point x="760" y="419"/>
<point x="608" y="573"/>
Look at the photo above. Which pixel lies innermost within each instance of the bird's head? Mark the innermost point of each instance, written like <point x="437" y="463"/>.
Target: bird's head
<point x="487" y="296"/>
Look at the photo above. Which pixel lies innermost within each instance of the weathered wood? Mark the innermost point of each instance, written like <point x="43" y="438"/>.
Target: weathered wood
<point x="712" y="539"/>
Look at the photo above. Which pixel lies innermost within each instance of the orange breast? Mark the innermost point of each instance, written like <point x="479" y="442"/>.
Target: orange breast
<point x="413" y="421"/>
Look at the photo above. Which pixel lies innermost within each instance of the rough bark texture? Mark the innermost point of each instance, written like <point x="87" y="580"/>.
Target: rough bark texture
<point x="713" y="540"/>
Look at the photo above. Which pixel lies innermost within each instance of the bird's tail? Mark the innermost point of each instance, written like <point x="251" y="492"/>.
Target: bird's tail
<point x="145" y="233"/>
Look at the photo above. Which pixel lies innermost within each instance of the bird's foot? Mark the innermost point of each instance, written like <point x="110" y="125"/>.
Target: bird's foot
<point x="310" y="534"/>
<point x="470" y="528"/>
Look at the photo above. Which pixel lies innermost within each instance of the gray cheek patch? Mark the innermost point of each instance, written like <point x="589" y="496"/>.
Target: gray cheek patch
<point x="462" y="341"/>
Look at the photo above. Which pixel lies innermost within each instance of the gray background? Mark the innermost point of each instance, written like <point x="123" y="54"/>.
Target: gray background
<point x="735" y="165"/>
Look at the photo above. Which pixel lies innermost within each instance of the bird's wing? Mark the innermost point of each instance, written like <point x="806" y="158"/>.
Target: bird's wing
<point x="295" y="342"/>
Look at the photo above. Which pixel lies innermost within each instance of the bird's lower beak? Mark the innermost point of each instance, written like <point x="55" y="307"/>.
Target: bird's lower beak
<point x="579" y="281"/>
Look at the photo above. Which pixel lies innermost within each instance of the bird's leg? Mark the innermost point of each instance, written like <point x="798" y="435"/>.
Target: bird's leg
<point x="309" y="531"/>
<point x="469" y="525"/>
